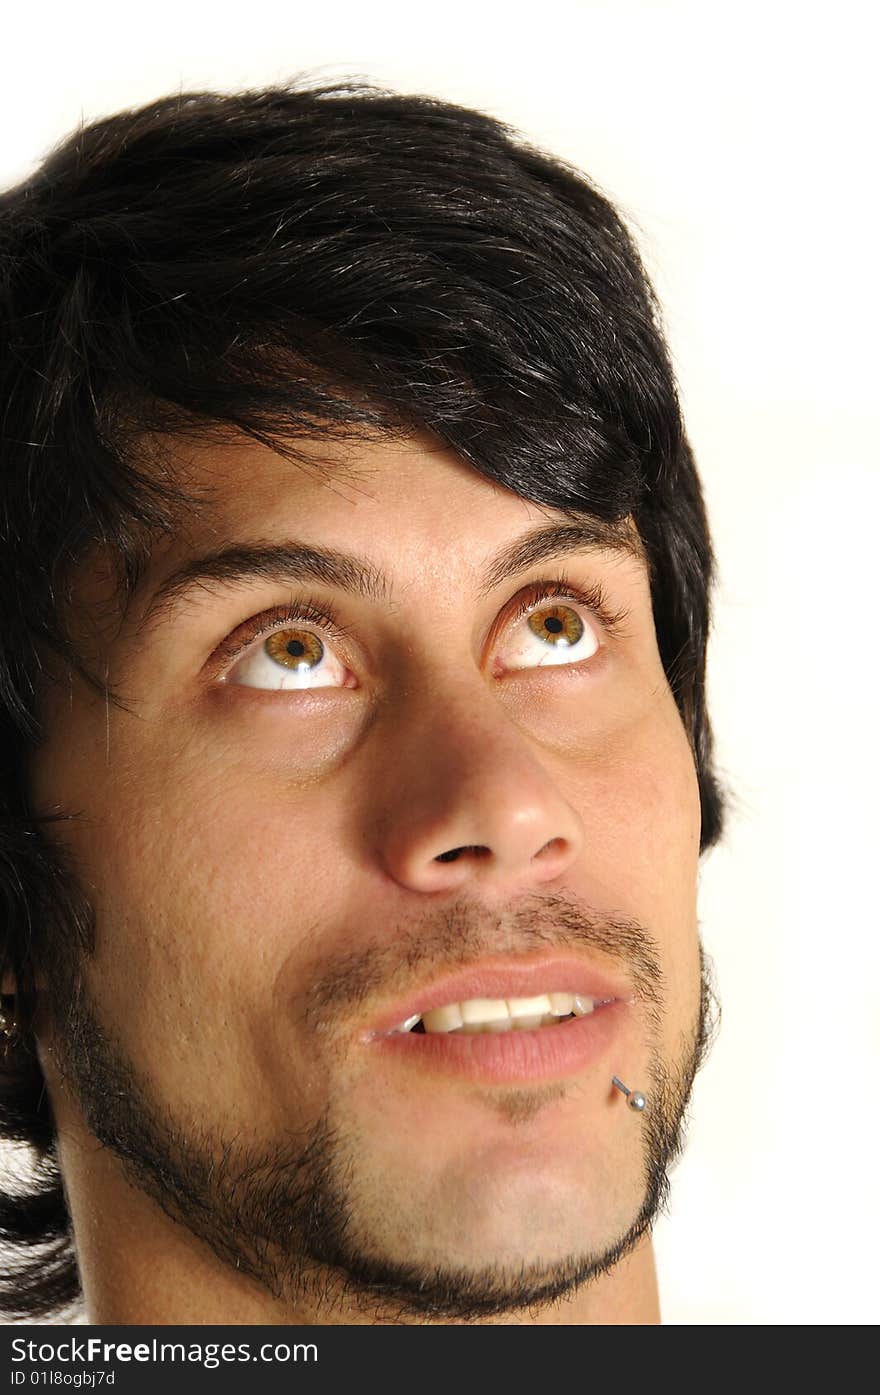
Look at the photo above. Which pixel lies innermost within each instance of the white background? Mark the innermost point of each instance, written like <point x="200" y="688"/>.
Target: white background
<point x="738" y="141"/>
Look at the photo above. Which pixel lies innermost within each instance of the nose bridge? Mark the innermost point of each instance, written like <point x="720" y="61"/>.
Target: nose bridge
<point x="466" y="797"/>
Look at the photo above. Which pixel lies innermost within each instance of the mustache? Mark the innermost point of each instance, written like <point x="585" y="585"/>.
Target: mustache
<point x="462" y="934"/>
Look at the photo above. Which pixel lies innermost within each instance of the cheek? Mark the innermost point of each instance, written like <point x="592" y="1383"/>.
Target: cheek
<point x="204" y="878"/>
<point x="239" y="864"/>
<point x="640" y="806"/>
<point x="209" y="889"/>
<point x="641" y="812"/>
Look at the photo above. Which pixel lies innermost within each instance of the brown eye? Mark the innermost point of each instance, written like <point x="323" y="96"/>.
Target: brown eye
<point x="290" y="658"/>
<point x="552" y="633"/>
<point x="298" y="650"/>
<point x="556" y="625"/>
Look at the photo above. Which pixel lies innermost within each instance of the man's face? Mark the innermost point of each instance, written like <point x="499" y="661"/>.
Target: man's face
<point x="340" y="795"/>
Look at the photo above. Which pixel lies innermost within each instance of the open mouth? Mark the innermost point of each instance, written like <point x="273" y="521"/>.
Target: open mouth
<point x="491" y="1024"/>
<point x="475" y="1015"/>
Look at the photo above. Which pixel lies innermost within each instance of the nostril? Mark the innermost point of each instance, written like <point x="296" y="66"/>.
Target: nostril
<point x="556" y="845"/>
<point x="455" y="853"/>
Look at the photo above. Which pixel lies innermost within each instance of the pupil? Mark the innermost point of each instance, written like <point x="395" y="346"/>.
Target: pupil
<point x="296" y="648"/>
<point x="553" y="624"/>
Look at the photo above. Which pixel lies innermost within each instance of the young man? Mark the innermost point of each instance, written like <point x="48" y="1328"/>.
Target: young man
<point x="356" y="763"/>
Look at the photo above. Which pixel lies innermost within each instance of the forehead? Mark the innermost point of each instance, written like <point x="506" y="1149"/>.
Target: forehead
<point x="412" y="505"/>
<point x="384" y="517"/>
<point x="403" y="488"/>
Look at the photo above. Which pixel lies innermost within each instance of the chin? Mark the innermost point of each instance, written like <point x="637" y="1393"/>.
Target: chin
<point x="515" y="1209"/>
<point x="486" y="1247"/>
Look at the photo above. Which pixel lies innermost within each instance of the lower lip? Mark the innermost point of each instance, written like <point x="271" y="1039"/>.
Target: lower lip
<point x="504" y="1058"/>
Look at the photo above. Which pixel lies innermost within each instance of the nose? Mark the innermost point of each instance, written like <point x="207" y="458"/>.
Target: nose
<point x="468" y="801"/>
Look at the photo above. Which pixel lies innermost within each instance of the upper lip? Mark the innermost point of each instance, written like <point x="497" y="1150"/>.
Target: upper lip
<point x="506" y="978"/>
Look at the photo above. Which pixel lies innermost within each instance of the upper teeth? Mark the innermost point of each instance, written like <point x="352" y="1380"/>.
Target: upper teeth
<point x="500" y="1014"/>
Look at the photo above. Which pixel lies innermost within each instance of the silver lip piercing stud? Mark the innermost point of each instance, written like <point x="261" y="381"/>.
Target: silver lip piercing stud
<point x="634" y="1098"/>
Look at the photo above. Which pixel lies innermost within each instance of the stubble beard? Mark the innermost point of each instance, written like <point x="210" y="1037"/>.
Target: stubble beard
<point x="285" y="1216"/>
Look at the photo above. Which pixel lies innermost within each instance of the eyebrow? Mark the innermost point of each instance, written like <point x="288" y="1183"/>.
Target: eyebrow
<point x="280" y="563"/>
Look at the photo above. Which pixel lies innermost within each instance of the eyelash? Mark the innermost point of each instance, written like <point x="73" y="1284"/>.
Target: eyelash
<point x="592" y="598"/>
<point x="308" y="610"/>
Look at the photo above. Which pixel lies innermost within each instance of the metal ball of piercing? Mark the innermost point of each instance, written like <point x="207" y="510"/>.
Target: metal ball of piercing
<point x="634" y="1098"/>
